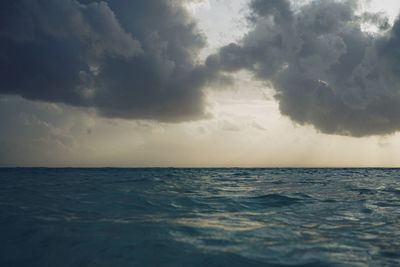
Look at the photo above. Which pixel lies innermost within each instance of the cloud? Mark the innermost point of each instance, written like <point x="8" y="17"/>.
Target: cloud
<point x="138" y="60"/>
<point x="229" y="126"/>
<point x="326" y="70"/>
<point x="126" y="59"/>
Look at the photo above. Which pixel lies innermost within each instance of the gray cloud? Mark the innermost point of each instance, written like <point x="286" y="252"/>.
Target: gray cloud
<point x="325" y="69"/>
<point x="138" y="60"/>
<point x="127" y="59"/>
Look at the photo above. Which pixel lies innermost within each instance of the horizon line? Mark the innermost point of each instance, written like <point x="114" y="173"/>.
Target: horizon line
<point x="205" y="167"/>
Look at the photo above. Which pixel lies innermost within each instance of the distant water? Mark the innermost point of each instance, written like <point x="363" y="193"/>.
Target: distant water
<point x="199" y="217"/>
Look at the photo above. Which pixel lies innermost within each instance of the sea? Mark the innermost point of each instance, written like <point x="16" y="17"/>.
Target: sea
<point x="199" y="217"/>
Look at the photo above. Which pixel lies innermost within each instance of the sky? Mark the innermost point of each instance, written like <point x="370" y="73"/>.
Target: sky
<point x="213" y="83"/>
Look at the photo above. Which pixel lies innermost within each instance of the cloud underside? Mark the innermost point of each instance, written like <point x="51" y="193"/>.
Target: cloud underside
<point x="127" y="59"/>
<point x="326" y="70"/>
<point x="138" y="60"/>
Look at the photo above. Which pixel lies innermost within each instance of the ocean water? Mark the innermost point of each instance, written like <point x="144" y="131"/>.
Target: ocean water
<point x="199" y="217"/>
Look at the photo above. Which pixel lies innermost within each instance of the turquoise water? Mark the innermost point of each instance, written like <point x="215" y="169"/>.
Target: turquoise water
<point x="200" y="217"/>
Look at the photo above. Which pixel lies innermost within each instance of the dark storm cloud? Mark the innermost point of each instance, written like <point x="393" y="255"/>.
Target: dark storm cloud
<point x="127" y="59"/>
<point x="137" y="60"/>
<point x="326" y="70"/>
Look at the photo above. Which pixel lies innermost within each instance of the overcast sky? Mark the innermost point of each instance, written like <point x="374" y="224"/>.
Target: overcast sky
<point x="200" y="83"/>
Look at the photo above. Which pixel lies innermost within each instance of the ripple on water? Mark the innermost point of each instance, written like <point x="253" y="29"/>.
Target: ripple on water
<point x="274" y="200"/>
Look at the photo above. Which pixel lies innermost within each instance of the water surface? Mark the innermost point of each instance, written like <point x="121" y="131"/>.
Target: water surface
<point x="200" y="217"/>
